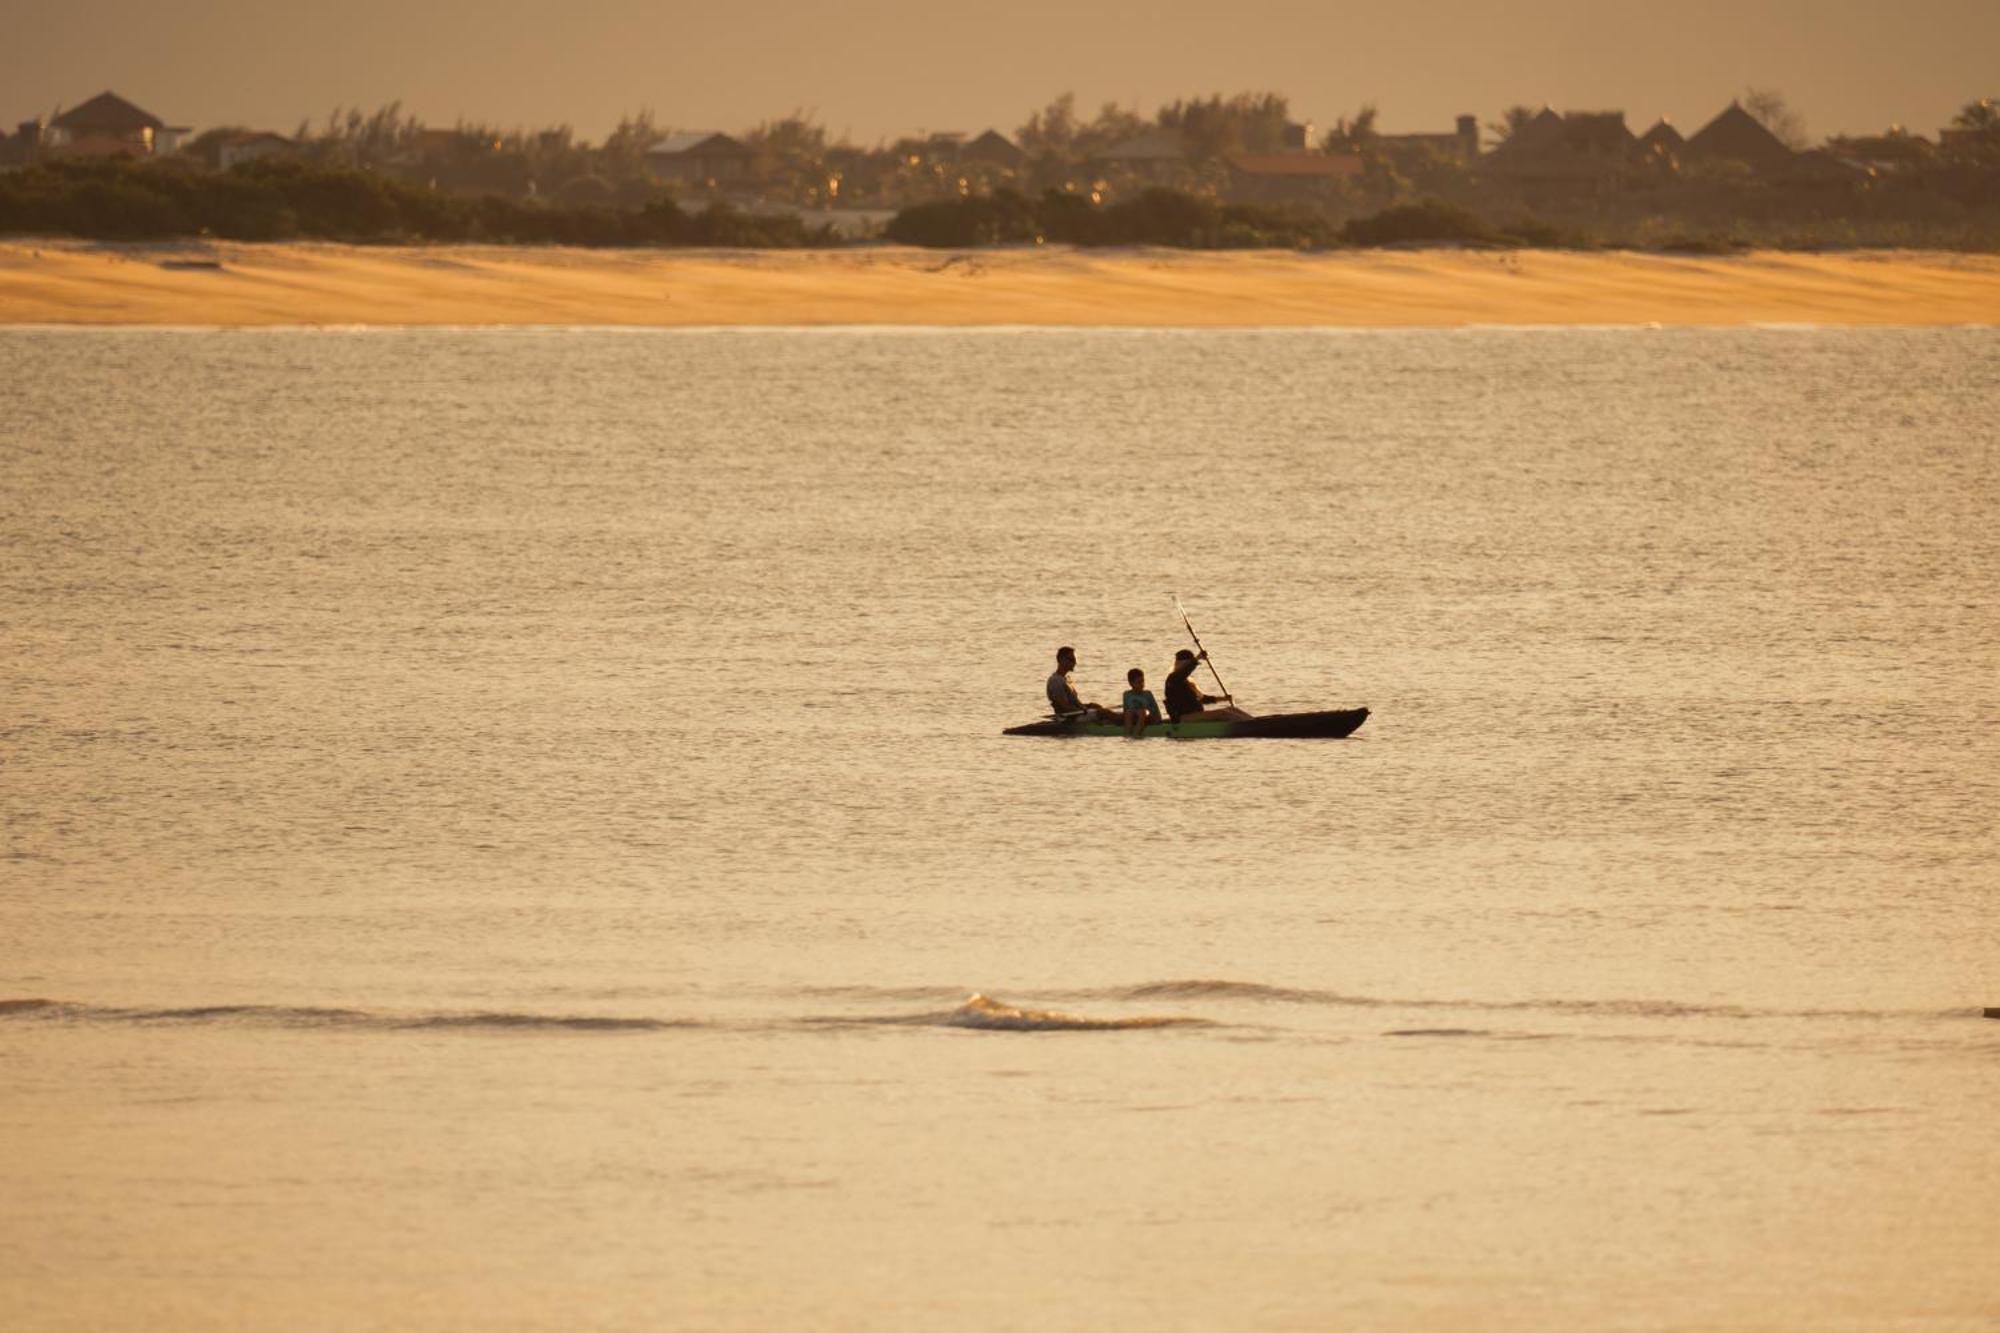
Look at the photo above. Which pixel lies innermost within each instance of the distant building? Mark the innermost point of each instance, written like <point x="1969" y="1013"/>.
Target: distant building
<point x="1461" y="145"/>
<point x="17" y="150"/>
<point x="1737" y="136"/>
<point x="109" y="126"/>
<point x="250" y="146"/>
<point x="701" y="158"/>
<point x="995" y="149"/>
<point x="1157" y="155"/>
<point x="1662" y="138"/>
<point x="1660" y="147"/>
<point x="1883" y="154"/>
<point x="1290" y="178"/>
<point x="1570" y="148"/>
<point x="1597" y="134"/>
<point x="1300" y="137"/>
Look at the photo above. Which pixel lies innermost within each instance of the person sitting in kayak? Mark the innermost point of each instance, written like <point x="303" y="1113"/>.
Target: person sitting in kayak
<point x="1185" y="703"/>
<point x="1062" y="694"/>
<point x="1140" y="705"/>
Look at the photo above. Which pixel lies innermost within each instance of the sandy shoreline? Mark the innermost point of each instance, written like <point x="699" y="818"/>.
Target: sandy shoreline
<point x="68" y="282"/>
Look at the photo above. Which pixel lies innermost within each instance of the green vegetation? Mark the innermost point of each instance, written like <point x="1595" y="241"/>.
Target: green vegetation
<point x="1185" y="221"/>
<point x="1434" y="223"/>
<point x="1154" y="217"/>
<point x="120" y="200"/>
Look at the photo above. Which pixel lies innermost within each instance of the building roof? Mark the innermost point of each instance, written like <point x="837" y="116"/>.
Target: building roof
<point x="1571" y="132"/>
<point x="1738" y="136"/>
<point x="1662" y="135"/>
<point x="689" y="141"/>
<point x="1893" y="149"/>
<point x="1326" y="166"/>
<point x="108" y="113"/>
<point x="1601" y="131"/>
<point x="994" y="146"/>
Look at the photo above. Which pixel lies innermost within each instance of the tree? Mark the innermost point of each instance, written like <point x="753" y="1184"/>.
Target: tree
<point x="1245" y="123"/>
<point x="1059" y="144"/>
<point x="791" y="156"/>
<point x="1356" y="135"/>
<point x="794" y="140"/>
<point x="1050" y="132"/>
<point x="623" y="156"/>
<point x="1114" y="124"/>
<point x="1776" y="115"/>
<point x="1975" y="134"/>
<point x="1510" y="122"/>
<point x="1981" y="117"/>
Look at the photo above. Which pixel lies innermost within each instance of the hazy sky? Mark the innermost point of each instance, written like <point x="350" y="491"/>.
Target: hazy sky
<point x="874" y="68"/>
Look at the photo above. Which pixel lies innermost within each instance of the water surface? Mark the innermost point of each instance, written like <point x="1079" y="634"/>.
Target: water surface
<point x="506" y="829"/>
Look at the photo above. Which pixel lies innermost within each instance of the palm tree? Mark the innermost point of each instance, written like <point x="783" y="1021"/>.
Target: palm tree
<point x="1981" y="117"/>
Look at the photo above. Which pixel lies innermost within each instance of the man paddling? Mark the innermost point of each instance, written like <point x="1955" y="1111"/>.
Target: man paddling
<point x="1062" y="694"/>
<point x="1185" y="703"/>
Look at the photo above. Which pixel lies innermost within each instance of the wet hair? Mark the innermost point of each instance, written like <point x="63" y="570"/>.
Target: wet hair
<point x="1136" y="678"/>
<point x="1065" y="651"/>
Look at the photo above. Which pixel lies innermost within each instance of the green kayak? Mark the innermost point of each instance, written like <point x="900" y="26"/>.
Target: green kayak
<point x="1279" y="726"/>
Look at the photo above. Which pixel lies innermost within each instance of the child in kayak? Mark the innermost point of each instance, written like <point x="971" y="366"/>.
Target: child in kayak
<point x="1140" y="706"/>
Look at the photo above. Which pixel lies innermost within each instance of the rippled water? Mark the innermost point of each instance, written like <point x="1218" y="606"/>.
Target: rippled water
<point x="510" y="829"/>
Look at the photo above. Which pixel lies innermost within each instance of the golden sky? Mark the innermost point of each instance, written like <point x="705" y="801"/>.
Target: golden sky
<point x="880" y="68"/>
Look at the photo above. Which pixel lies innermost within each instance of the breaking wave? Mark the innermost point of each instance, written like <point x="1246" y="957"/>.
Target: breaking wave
<point x="987" y="1014"/>
<point x="981" y="1012"/>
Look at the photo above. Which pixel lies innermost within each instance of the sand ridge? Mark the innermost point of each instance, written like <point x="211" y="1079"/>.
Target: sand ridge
<point x="71" y="282"/>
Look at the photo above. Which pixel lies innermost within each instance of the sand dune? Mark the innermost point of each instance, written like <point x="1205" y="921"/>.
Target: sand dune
<point x="60" y="282"/>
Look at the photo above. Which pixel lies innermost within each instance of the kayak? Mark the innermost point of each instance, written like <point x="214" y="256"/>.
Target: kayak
<point x="1279" y="726"/>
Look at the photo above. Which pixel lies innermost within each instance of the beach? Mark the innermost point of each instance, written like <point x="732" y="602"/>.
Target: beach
<point x="307" y="284"/>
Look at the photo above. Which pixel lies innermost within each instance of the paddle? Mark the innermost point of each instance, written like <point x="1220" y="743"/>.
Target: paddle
<point x="1203" y="651"/>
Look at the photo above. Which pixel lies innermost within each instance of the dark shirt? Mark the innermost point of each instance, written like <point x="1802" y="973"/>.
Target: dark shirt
<point x="1182" y="696"/>
<point x="1062" y="694"/>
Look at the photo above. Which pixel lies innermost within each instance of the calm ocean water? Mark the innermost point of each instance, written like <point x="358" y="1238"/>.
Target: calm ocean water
<point x="504" y="830"/>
